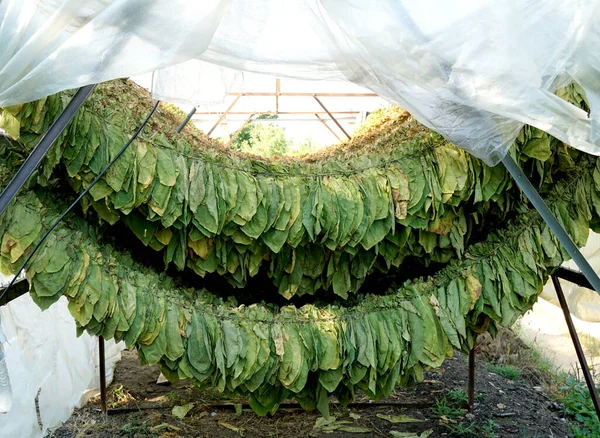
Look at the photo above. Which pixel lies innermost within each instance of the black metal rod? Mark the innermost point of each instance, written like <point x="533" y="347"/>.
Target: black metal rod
<point x="43" y="146"/>
<point x="102" y="361"/>
<point x="76" y="201"/>
<point x="471" y="383"/>
<point x="558" y="230"/>
<point x="573" y="276"/>
<point x="186" y="120"/>
<point x="578" y="349"/>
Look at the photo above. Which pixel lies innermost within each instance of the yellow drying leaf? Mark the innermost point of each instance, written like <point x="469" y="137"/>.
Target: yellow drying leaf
<point x="395" y="419"/>
<point x="473" y="289"/>
<point x="182" y="411"/>
<point x="164" y="236"/>
<point x="200" y="247"/>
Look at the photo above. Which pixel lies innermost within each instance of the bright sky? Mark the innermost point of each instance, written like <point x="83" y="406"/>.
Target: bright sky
<point x="349" y="111"/>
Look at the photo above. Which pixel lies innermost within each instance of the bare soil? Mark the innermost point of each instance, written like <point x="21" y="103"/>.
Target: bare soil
<point x="139" y="407"/>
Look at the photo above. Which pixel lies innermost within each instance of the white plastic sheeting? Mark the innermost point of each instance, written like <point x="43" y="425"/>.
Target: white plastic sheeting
<point x="583" y="303"/>
<point x="43" y="353"/>
<point x="194" y="83"/>
<point x="472" y="70"/>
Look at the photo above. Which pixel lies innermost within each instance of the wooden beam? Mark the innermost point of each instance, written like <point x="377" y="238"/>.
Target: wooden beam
<point x="288" y="113"/>
<point x="328" y="127"/>
<point x="271" y="94"/>
<point x="277" y="92"/>
<point x="236" y="133"/>
<point x="331" y="116"/>
<point x="224" y="115"/>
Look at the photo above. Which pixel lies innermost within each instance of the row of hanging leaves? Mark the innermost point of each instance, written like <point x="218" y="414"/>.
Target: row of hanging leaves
<point x="324" y="222"/>
<point x="310" y="352"/>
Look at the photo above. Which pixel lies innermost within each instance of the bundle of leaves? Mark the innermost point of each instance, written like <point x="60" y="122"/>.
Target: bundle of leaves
<point x="323" y="221"/>
<point x="396" y="190"/>
<point x="273" y="353"/>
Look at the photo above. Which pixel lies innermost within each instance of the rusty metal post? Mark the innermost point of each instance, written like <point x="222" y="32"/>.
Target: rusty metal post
<point x="578" y="349"/>
<point x="102" y="374"/>
<point x="471" y="383"/>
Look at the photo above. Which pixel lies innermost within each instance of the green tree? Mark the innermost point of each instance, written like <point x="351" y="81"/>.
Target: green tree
<point x="305" y="146"/>
<point x="262" y="138"/>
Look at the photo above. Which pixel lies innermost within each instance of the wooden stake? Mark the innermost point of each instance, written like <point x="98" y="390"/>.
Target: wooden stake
<point x="224" y="114"/>
<point x="331" y="116"/>
<point x="328" y="127"/>
<point x="236" y="133"/>
<point x="277" y="92"/>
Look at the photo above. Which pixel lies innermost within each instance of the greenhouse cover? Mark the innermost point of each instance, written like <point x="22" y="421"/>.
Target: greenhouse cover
<point x="476" y="75"/>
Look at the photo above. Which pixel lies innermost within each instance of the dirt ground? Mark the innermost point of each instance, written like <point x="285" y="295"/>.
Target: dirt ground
<point x="504" y="408"/>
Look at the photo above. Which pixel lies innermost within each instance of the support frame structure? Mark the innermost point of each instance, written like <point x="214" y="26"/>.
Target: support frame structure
<point x="520" y="178"/>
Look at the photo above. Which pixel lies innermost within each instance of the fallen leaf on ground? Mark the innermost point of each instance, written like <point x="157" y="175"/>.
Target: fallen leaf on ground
<point x="165" y="426"/>
<point x="354" y="429"/>
<point x="354" y="416"/>
<point x="336" y="425"/>
<point x="182" y="411"/>
<point x="399" y="418"/>
<point x="330" y="424"/>
<point x="445" y="419"/>
<point x="239" y="430"/>
<point x="238" y="408"/>
<point x="322" y="422"/>
<point x="423" y="434"/>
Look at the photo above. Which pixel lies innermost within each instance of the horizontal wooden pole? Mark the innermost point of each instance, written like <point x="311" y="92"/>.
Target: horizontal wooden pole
<point x="274" y="94"/>
<point x="281" y="113"/>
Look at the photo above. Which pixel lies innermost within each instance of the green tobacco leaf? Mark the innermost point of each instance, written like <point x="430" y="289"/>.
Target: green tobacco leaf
<point x="395" y="419"/>
<point x="321" y="422"/>
<point x="424" y="434"/>
<point x="182" y="411"/>
<point x="354" y="429"/>
<point x="271" y="350"/>
<point x="10" y="124"/>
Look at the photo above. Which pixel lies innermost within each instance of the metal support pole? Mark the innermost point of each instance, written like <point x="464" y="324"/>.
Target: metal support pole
<point x="471" y="383"/>
<point x="552" y="222"/>
<point x="102" y="361"/>
<point x="33" y="160"/>
<point x="186" y="120"/>
<point x="578" y="349"/>
<point x="573" y="277"/>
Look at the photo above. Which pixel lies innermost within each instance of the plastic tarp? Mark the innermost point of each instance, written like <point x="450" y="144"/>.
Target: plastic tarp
<point x="473" y="70"/>
<point x="43" y="354"/>
<point x="583" y="303"/>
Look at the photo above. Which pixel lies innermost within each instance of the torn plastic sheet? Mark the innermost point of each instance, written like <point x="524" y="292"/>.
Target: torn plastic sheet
<point x="583" y="303"/>
<point x="475" y="71"/>
<point x="48" y="363"/>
